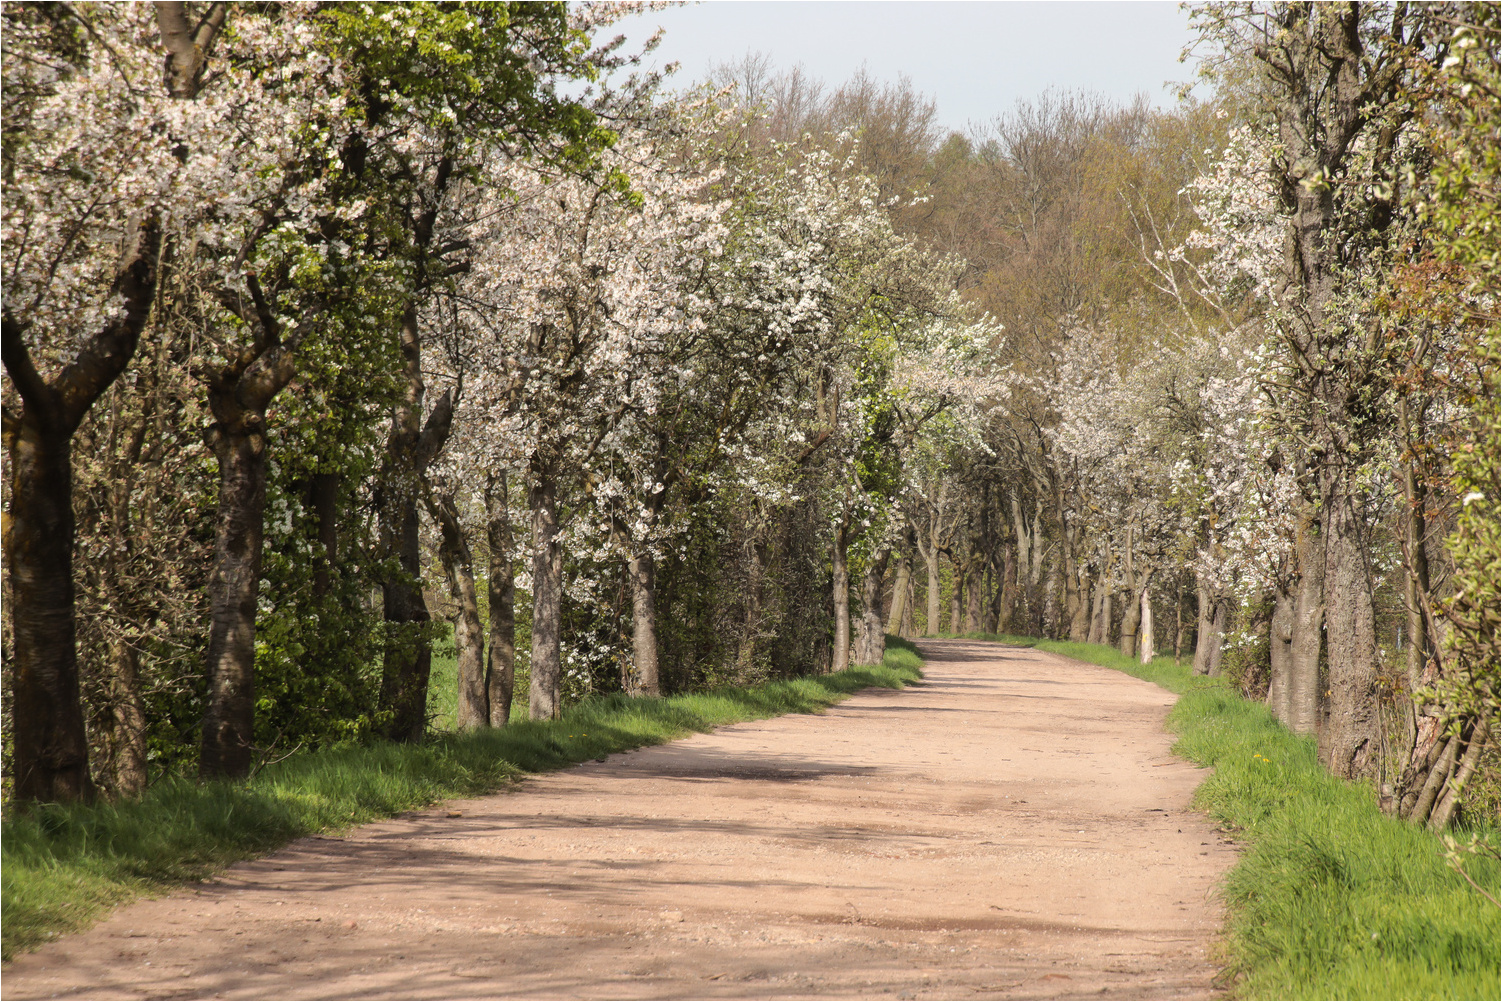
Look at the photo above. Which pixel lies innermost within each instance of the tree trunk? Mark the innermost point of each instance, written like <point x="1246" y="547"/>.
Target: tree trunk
<point x="407" y="658"/>
<point x="1210" y="633"/>
<point x="931" y="562"/>
<point x="1147" y="621"/>
<point x="239" y="394"/>
<point x="128" y="763"/>
<point x="1449" y="801"/>
<point x="500" y="666"/>
<point x="473" y="707"/>
<point x="909" y="603"/>
<point x="1280" y="652"/>
<point x="325" y="505"/>
<point x="1350" y="744"/>
<point x="547" y="599"/>
<point x="1007" y="598"/>
<point x="956" y="596"/>
<point x="1131" y="619"/>
<point x="900" y="590"/>
<point x="643" y="573"/>
<point x="49" y="750"/>
<point x="1100" y="615"/>
<point x="1304" y="693"/>
<point x="975" y="596"/>
<point x="1178" y="619"/>
<point x="1132" y="609"/>
<point x="234" y="583"/>
<point x="841" y="589"/>
<point x="411" y="447"/>
<point x="871" y="641"/>
<point x="1080" y="618"/>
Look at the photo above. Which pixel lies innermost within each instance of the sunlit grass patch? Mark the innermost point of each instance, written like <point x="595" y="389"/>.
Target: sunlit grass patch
<point x="64" y="866"/>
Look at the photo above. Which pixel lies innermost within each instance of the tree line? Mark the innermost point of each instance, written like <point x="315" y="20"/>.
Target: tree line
<point x="323" y="320"/>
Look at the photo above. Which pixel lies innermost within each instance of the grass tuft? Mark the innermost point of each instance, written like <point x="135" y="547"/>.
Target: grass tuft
<point x="1332" y="898"/>
<point x="64" y="866"/>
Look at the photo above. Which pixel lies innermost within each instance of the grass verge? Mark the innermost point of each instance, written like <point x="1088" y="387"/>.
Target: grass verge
<point x="1332" y="898"/>
<point x="64" y="866"/>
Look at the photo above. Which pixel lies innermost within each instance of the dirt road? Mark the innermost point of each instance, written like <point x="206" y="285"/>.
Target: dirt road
<point x="1012" y="827"/>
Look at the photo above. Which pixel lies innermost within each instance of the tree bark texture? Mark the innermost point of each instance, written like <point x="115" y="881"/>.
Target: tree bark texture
<point x="547" y="599"/>
<point x="500" y="666"/>
<point x="51" y="750"/>
<point x="50" y="754"/>
<point x="1349" y="745"/>
<point x="128" y="769"/>
<point x="1211" y="631"/>
<point x="1132" y="610"/>
<point x="325" y="503"/>
<point x="956" y="596"/>
<point x="900" y="589"/>
<point x="472" y="709"/>
<point x="1280" y="648"/>
<point x="1305" y="696"/>
<point x="234" y="584"/>
<point x="840" y="660"/>
<point x="931" y="564"/>
<point x="871" y="641"/>
<point x="975" y="595"/>
<point x="642" y="569"/>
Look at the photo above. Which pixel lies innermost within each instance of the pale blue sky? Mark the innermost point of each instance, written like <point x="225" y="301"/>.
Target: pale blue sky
<point x="975" y="58"/>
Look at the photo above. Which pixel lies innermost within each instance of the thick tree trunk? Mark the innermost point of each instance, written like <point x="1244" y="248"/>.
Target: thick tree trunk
<point x="1131" y="619"/>
<point x="472" y="709"/>
<point x="229" y="719"/>
<point x="642" y="570"/>
<point x="410" y="448"/>
<point x="931" y="564"/>
<point x="900" y="590"/>
<point x="871" y="641"/>
<point x="975" y="596"/>
<point x="547" y="599"/>
<point x="500" y="666"/>
<point x="1211" y="631"/>
<point x="841" y="589"/>
<point x="1146" y="627"/>
<point x="128" y="763"/>
<point x="1007" y="598"/>
<point x="1305" y="699"/>
<point x="1350" y="744"/>
<point x="407" y="657"/>
<point x="49" y="749"/>
<point x="1099" y="616"/>
<point x="1080" y="618"/>
<point x="239" y="394"/>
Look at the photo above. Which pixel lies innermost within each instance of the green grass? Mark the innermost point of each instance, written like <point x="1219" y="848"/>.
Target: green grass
<point x="64" y="866"/>
<point x="1332" y="898"/>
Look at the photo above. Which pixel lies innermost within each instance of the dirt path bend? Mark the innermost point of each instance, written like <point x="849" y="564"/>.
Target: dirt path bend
<point x="1012" y="827"/>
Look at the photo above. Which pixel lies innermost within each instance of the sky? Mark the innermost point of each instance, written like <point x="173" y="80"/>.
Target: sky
<point x="976" y="58"/>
